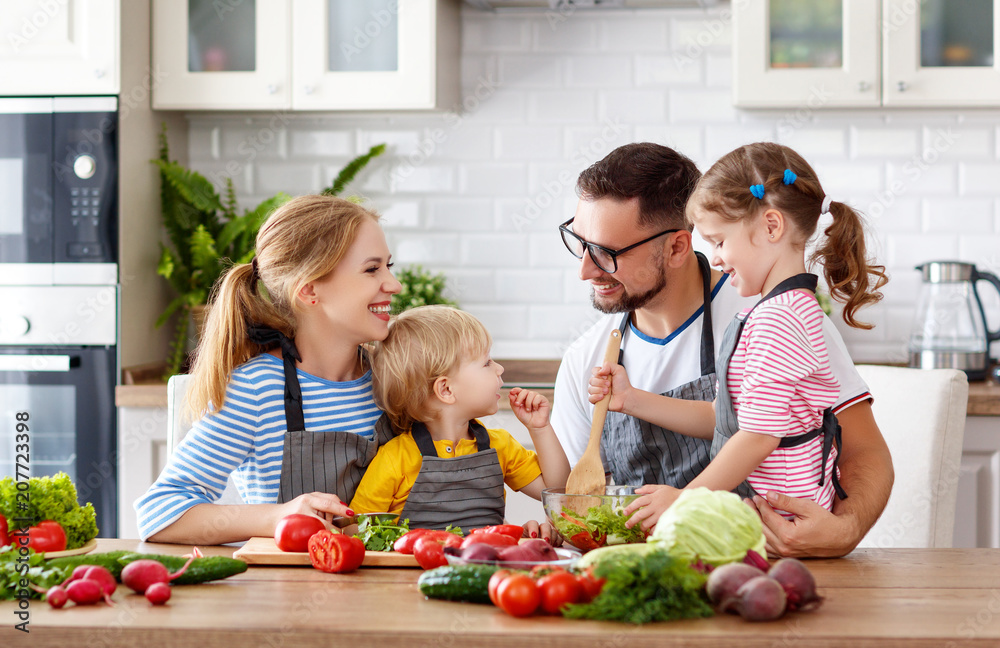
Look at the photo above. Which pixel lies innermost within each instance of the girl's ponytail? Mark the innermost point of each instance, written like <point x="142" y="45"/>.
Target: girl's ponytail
<point x="849" y="276"/>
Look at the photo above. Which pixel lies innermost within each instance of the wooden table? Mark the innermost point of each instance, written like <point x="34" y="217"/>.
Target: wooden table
<point x="883" y="598"/>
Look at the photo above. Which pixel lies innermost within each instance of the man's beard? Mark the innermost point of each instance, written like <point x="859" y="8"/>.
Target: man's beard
<point x="628" y="302"/>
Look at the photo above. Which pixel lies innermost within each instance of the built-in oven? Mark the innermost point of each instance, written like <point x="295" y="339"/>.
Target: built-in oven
<point x="59" y="294"/>
<point x="59" y="189"/>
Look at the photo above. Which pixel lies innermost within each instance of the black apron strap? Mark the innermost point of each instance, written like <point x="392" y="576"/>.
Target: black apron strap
<point x="422" y="437"/>
<point x="482" y="436"/>
<point x="269" y="337"/>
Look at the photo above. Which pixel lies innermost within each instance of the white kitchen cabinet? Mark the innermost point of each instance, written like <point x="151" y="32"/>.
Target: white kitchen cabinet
<point x="977" y="513"/>
<point x="813" y="54"/>
<point x="59" y="47"/>
<point x="142" y="454"/>
<point x="306" y="54"/>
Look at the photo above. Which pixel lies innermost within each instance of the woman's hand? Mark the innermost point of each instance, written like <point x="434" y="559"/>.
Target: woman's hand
<point x="531" y="408"/>
<point x="325" y="506"/>
<point x="543" y="530"/>
<point x="611" y="378"/>
<point x="656" y="498"/>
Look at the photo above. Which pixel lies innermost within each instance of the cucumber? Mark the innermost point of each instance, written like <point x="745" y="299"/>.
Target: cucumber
<point x="457" y="583"/>
<point x="201" y="570"/>
<point x="108" y="560"/>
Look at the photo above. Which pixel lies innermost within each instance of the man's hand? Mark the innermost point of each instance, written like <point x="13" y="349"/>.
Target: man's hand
<point x="815" y="532"/>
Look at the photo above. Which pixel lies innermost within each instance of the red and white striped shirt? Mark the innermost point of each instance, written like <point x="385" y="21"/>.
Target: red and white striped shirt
<point x="780" y="381"/>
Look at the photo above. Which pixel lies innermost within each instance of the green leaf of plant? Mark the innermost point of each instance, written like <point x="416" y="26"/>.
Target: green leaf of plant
<point x="352" y="169"/>
<point x="171" y="308"/>
<point x="194" y="187"/>
<point x="204" y="258"/>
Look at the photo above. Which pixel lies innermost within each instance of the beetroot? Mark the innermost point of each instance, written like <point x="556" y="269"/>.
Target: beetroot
<point x="798" y="583"/>
<point x="759" y="599"/>
<point x="724" y="581"/>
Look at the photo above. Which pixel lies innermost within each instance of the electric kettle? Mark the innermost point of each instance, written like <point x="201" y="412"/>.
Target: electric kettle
<point x="950" y="329"/>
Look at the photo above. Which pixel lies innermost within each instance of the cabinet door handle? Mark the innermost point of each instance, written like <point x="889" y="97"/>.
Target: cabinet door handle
<point x="863" y="86"/>
<point x="272" y="88"/>
<point x="99" y="73"/>
<point x="902" y="86"/>
<point x="309" y="89"/>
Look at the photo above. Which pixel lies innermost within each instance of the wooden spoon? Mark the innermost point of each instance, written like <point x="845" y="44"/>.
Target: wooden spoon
<point x="587" y="476"/>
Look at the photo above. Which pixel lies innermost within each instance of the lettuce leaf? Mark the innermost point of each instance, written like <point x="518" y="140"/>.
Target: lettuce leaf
<point x="49" y="498"/>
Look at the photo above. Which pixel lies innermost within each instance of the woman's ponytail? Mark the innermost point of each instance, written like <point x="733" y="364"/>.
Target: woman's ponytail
<point x="849" y="276"/>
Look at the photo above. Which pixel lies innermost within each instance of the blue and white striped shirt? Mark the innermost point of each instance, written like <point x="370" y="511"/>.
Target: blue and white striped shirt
<point x="245" y="439"/>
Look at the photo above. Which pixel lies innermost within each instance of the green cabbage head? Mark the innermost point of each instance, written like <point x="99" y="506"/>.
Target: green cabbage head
<point x="713" y="526"/>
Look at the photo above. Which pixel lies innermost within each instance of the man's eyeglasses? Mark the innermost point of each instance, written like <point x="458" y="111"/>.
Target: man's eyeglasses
<point x="604" y="258"/>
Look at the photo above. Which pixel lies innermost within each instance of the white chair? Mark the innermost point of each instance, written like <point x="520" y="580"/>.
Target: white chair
<point x="921" y="413"/>
<point x="180" y="426"/>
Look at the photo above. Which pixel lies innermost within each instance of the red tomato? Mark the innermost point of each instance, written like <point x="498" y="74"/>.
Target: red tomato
<point x="558" y="589"/>
<point x="518" y="595"/>
<point x="404" y="544"/>
<point x="429" y="552"/>
<point x="48" y="535"/>
<point x="492" y="539"/>
<point x="511" y="530"/>
<point x="590" y="586"/>
<point x="293" y="531"/>
<point x="335" y="552"/>
<point x="498" y="577"/>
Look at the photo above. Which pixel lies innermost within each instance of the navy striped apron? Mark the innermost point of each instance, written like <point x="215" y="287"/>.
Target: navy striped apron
<point x="637" y="452"/>
<point x="464" y="491"/>
<point x="726" y="423"/>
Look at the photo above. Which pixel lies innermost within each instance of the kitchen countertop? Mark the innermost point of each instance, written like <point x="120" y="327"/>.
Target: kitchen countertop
<point x="148" y="390"/>
<point x="873" y="597"/>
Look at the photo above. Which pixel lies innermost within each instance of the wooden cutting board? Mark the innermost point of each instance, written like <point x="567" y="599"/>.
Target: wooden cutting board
<point x="263" y="551"/>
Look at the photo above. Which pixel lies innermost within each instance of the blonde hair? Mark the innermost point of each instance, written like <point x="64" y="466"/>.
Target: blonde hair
<point x="423" y="344"/>
<point x="725" y="190"/>
<point x="301" y="241"/>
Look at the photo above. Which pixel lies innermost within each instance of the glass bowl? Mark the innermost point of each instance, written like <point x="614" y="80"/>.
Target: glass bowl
<point x="590" y="521"/>
<point x="567" y="558"/>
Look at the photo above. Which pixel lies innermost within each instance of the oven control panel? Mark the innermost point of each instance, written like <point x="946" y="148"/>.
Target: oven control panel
<point x="59" y="315"/>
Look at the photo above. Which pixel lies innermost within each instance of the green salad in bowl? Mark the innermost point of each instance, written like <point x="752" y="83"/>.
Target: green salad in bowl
<point x="591" y="521"/>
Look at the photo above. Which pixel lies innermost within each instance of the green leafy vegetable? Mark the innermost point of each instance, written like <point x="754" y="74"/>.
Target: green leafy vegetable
<point x="645" y="586"/>
<point x="715" y="527"/>
<point x="380" y="534"/>
<point x="49" y="498"/>
<point x="605" y="524"/>
<point x="12" y="571"/>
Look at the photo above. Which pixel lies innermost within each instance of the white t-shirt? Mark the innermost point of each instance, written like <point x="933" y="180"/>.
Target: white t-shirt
<point x="658" y="365"/>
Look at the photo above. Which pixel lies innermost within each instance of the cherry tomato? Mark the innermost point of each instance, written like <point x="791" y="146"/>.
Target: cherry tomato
<point x="558" y="589"/>
<point x="518" y="595"/>
<point x="335" y="552"/>
<point x="511" y="530"/>
<point x="293" y="531"/>
<point x="492" y="539"/>
<point x="590" y="586"/>
<point x="495" y="580"/>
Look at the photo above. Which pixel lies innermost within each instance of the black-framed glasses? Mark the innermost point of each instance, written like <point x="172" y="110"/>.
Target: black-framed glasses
<point x="604" y="258"/>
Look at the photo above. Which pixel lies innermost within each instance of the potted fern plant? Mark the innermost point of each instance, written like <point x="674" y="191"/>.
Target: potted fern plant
<point x="206" y="235"/>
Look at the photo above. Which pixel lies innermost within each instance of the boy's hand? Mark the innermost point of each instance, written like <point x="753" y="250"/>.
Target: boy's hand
<point x="611" y="378"/>
<point x="531" y="408"/>
<point x="656" y="498"/>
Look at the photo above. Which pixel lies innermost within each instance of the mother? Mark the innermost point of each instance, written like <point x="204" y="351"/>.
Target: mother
<point x="281" y="382"/>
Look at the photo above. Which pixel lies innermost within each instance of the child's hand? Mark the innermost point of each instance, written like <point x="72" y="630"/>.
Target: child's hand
<point x="656" y="498"/>
<point x="611" y="377"/>
<point x="531" y="408"/>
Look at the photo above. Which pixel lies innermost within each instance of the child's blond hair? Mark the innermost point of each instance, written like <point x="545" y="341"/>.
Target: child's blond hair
<point x="423" y="344"/>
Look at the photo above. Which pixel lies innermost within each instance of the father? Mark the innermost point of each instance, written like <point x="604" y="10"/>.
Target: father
<point x="672" y="308"/>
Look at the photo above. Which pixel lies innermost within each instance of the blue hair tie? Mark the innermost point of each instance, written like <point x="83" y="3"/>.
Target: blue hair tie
<point x="757" y="191"/>
<point x="790" y="177"/>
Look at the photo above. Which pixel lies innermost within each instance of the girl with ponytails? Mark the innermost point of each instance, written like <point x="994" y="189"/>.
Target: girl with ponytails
<point x="771" y="425"/>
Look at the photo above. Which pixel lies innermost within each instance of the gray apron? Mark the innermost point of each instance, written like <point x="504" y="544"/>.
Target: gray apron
<point x="637" y="452"/>
<point x="464" y="491"/>
<point x="726" y="423"/>
<point x="323" y="462"/>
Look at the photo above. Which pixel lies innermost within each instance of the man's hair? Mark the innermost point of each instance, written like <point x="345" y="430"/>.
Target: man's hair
<point x="423" y="344"/>
<point x="660" y="177"/>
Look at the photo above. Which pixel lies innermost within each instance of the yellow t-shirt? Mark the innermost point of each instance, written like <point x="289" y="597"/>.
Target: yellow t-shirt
<point x="389" y="478"/>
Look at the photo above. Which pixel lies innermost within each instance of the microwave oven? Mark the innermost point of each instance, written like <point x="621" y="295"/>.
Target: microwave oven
<point x="59" y="182"/>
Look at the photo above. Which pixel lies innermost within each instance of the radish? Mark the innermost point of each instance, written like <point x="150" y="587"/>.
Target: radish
<point x="84" y="592"/>
<point x="56" y="596"/>
<point x="103" y="578"/>
<point x="158" y="593"/>
<point x="140" y="574"/>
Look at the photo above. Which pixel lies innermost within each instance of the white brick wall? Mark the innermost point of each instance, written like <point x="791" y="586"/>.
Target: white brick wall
<point x="478" y="192"/>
